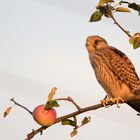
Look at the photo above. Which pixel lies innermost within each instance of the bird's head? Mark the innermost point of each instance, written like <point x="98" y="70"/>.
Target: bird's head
<point x="95" y="42"/>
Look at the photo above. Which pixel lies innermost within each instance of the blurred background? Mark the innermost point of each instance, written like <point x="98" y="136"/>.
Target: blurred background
<point x="42" y="45"/>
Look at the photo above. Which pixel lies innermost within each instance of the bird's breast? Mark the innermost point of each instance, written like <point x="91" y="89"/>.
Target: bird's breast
<point x="113" y="86"/>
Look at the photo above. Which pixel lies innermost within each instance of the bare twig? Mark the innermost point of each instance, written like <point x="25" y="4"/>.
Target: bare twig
<point x="124" y="2"/>
<point x="116" y="22"/>
<point x="12" y="99"/>
<point x="70" y="100"/>
<point x="34" y="132"/>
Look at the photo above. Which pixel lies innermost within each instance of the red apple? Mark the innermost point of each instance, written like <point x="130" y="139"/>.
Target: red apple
<point x="44" y="117"/>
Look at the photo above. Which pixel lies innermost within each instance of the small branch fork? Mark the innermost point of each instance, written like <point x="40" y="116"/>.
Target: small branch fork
<point x="70" y="100"/>
<point x="115" y="22"/>
<point x="71" y="115"/>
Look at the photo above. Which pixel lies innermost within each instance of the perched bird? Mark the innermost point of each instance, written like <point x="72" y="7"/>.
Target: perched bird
<point x="114" y="72"/>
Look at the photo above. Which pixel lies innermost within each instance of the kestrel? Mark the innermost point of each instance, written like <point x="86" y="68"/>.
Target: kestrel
<point x="114" y="71"/>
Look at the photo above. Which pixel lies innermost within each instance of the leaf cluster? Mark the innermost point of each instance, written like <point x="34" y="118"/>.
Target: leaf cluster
<point x="73" y="123"/>
<point x="106" y="8"/>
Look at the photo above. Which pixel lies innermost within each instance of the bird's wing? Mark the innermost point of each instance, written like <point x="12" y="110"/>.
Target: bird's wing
<point x="123" y="68"/>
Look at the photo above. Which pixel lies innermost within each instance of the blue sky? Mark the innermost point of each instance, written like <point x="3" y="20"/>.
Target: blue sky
<point x="42" y="45"/>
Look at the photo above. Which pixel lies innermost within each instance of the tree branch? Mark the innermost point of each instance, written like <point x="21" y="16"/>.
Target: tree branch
<point x="74" y="114"/>
<point x="59" y="119"/>
<point x="115" y="22"/>
<point x="12" y="99"/>
<point x="124" y="2"/>
<point x="70" y="100"/>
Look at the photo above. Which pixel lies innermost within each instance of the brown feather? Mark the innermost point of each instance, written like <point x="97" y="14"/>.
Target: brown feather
<point x="123" y="68"/>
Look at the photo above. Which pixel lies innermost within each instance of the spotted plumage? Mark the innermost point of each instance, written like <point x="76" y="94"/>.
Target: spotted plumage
<point x="113" y="69"/>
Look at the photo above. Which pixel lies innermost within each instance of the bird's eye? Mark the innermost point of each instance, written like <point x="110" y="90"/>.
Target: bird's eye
<point x="96" y="42"/>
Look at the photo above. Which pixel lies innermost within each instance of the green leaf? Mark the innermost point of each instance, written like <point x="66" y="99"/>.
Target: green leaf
<point x="135" y="40"/>
<point x="104" y="10"/>
<point x="131" y="40"/>
<point x="96" y="16"/>
<point x="86" y="120"/>
<point x="134" y="6"/>
<point x="122" y="9"/>
<point x="136" y="43"/>
<point x="51" y="104"/>
<point x="73" y="133"/>
<point x="55" y="103"/>
<point x="68" y="122"/>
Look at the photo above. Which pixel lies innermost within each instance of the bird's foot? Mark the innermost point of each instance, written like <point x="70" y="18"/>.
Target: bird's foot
<point x="118" y="100"/>
<point x="105" y="102"/>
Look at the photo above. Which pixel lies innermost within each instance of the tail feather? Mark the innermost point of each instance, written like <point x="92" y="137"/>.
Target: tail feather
<point x="135" y="104"/>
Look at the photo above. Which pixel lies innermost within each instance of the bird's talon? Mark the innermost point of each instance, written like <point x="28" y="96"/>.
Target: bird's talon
<point x="114" y="71"/>
<point x="117" y="101"/>
<point x="105" y="103"/>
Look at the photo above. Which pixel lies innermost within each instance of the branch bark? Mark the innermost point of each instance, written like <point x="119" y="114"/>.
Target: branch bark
<point x="12" y="99"/>
<point x="71" y="115"/>
<point x="59" y="119"/>
<point x="116" y="22"/>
